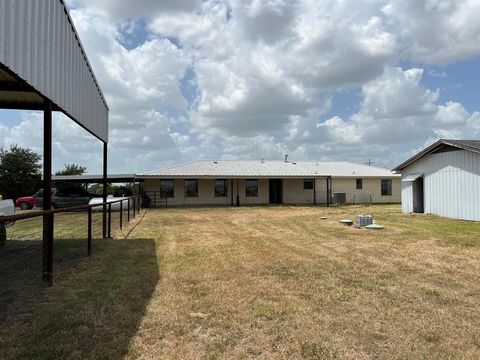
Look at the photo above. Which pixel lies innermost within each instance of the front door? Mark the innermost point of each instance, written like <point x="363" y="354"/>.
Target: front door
<point x="275" y="191"/>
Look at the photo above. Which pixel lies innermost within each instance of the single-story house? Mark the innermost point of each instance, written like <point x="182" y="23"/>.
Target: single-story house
<point x="443" y="179"/>
<point x="241" y="182"/>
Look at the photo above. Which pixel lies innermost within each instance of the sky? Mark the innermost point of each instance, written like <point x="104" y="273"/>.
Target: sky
<point x="341" y="80"/>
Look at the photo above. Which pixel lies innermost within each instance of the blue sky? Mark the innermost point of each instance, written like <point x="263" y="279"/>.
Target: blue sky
<point x="337" y="80"/>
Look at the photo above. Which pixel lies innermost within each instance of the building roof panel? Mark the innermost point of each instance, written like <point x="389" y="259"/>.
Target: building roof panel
<point x="250" y="168"/>
<point x="469" y="145"/>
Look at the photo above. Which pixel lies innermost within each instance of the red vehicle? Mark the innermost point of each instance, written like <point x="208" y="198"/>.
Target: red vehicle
<point x="26" y="202"/>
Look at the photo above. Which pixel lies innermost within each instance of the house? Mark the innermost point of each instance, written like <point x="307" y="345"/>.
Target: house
<point x="443" y="179"/>
<point x="241" y="182"/>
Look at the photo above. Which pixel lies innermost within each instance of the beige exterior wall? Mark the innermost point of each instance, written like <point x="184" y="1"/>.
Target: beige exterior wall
<point x="371" y="186"/>
<point x="293" y="192"/>
<point x="206" y="192"/>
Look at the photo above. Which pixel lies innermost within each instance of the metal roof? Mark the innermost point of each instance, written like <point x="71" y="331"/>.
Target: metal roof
<point x="42" y="57"/>
<point x="280" y="169"/>
<point x="469" y="145"/>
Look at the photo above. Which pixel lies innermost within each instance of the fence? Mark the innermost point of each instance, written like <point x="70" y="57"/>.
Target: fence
<point x="154" y="199"/>
<point x="27" y="263"/>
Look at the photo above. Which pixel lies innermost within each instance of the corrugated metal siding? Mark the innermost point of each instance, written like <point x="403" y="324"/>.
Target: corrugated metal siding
<point x="452" y="184"/>
<point x="407" y="197"/>
<point x="39" y="44"/>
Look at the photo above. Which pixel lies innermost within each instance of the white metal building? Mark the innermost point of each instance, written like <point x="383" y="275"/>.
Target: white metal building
<point x="43" y="66"/>
<point x="42" y="60"/>
<point x="228" y="182"/>
<point x="443" y="179"/>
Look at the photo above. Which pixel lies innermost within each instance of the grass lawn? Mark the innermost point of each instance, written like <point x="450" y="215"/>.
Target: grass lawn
<point x="263" y="282"/>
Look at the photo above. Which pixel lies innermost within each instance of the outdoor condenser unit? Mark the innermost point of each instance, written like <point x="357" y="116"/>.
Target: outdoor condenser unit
<point x="364" y="220"/>
<point x="339" y="198"/>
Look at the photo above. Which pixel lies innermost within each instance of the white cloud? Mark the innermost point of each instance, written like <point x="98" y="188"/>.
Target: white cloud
<point x="242" y="79"/>
<point x="436" y="31"/>
<point x="397" y="108"/>
<point x="452" y="113"/>
<point x="132" y="9"/>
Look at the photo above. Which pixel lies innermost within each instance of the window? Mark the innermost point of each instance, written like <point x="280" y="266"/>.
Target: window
<point x="359" y="184"/>
<point x="251" y="187"/>
<point x="40" y="193"/>
<point x="386" y="187"/>
<point x="308" y="184"/>
<point x="191" y="188"/>
<point x="167" y="188"/>
<point x="220" y="187"/>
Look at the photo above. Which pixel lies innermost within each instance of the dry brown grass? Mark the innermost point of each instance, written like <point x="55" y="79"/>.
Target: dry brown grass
<point x="280" y="283"/>
<point x="269" y="282"/>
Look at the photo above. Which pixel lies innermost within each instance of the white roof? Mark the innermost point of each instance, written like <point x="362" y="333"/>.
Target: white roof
<point x="279" y="169"/>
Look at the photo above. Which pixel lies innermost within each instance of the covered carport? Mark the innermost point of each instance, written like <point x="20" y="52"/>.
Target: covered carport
<point x="44" y="67"/>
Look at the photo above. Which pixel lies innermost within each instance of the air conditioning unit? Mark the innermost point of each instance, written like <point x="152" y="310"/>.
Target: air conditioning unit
<point x="339" y="198"/>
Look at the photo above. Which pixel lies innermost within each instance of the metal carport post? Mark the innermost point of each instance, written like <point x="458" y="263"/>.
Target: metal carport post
<point x="104" y="181"/>
<point x="47" y="240"/>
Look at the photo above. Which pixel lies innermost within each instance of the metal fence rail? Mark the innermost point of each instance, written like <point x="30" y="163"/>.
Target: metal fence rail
<point x="26" y="264"/>
<point x="154" y="199"/>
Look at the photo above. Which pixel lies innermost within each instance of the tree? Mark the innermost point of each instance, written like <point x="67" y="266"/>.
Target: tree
<point x="72" y="169"/>
<point x="97" y="189"/>
<point x="19" y="172"/>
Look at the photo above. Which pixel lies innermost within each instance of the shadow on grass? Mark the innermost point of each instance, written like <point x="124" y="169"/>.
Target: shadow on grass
<point x="21" y="270"/>
<point x="92" y="311"/>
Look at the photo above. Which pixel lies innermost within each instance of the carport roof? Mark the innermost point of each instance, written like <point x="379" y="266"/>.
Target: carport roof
<point x="111" y="178"/>
<point x="267" y="169"/>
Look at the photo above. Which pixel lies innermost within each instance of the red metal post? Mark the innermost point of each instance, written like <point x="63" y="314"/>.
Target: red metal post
<point x="105" y="169"/>
<point x="121" y="215"/>
<point x="47" y="194"/>
<point x="89" y="246"/>
<point x="128" y="210"/>
<point x="134" y="207"/>
<point x="109" y="220"/>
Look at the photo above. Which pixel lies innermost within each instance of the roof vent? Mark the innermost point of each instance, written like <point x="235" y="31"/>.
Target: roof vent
<point x="215" y="162"/>
<point x="286" y="157"/>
